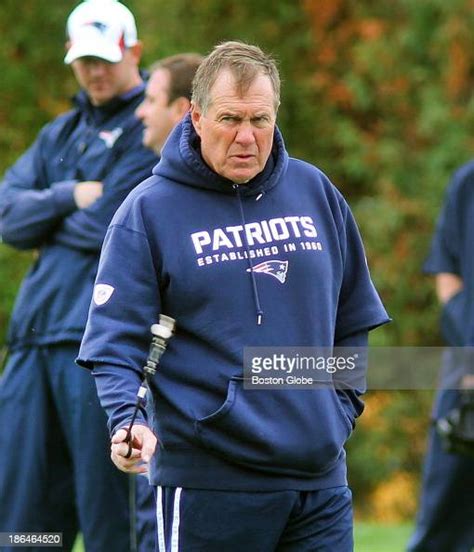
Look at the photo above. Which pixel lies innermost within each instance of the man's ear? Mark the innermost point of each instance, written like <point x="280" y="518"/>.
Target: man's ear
<point x="180" y="107"/>
<point x="136" y="51"/>
<point x="196" y="118"/>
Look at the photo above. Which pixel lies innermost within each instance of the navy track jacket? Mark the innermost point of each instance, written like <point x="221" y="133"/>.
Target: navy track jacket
<point x="38" y="211"/>
<point x="275" y="262"/>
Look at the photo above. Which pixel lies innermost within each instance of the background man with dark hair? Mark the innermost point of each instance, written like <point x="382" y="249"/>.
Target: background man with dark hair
<point x="167" y="97"/>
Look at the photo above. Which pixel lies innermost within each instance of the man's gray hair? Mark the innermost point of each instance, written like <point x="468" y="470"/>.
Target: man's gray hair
<point x="245" y="61"/>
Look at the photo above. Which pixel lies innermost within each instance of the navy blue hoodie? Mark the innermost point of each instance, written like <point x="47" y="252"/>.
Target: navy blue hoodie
<point x="38" y="211"/>
<point x="192" y="245"/>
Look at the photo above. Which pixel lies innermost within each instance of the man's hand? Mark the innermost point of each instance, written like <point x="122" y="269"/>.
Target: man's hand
<point x="467" y="382"/>
<point x="143" y="447"/>
<point x="447" y="285"/>
<point x="87" y="192"/>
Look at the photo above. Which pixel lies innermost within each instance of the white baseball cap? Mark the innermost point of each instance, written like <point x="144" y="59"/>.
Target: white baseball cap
<point x="100" y="28"/>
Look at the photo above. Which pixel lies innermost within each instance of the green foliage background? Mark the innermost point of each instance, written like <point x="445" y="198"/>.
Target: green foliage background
<point x="377" y="94"/>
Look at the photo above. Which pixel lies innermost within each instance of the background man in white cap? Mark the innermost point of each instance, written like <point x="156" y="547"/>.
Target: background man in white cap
<point x="58" y="198"/>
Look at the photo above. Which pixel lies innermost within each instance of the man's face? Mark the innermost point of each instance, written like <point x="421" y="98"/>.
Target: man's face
<point x="237" y="130"/>
<point x="157" y="114"/>
<point x="103" y="80"/>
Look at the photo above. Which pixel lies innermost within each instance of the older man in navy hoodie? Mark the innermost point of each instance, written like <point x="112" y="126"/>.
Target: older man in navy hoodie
<point x="243" y="247"/>
<point x="58" y="198"/>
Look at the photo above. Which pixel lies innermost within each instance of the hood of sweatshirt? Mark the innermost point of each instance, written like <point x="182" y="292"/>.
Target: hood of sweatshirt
<point x="181" y="161"/>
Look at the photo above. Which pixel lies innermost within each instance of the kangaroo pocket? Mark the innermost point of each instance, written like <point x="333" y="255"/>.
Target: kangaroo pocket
<point x="292" y="432"/>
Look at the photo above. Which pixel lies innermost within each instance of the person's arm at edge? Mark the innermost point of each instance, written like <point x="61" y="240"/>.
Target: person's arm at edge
<point x="30" y="208"/>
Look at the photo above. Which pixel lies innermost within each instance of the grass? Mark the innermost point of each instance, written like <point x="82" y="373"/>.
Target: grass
<point x="78" y="545"/>
<point x="369" y="537"/>
<point x="375" y="537"/>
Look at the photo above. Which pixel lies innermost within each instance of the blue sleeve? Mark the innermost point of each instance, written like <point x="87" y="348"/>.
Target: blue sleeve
<point x="85" y="229"/>
<point x="118" y="327"/>
<point x="30" y="207"/>
<point x="117" y="390"/>
<point x="359" y="306"/>
<point x="117" y="336"/>
<point x="444" y="255"/>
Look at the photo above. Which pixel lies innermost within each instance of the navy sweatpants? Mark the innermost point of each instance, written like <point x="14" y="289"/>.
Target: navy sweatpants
<point x="191" y="520"/>
<point x="55" y="469"/>
<point x="445" y="520"/>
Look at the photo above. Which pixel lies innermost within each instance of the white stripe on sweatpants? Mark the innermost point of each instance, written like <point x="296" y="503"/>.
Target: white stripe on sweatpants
<point x="176" y="519"/>
<point x="160" y="520"/>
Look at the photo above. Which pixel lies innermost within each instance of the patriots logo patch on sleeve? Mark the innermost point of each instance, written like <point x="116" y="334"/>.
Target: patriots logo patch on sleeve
<point x="277" y="269"/>
<point x="102" y="293"/>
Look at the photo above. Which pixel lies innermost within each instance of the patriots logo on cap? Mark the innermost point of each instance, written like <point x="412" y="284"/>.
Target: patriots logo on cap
<point x="277" y="269"/>
<point x="101" y="27"/>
